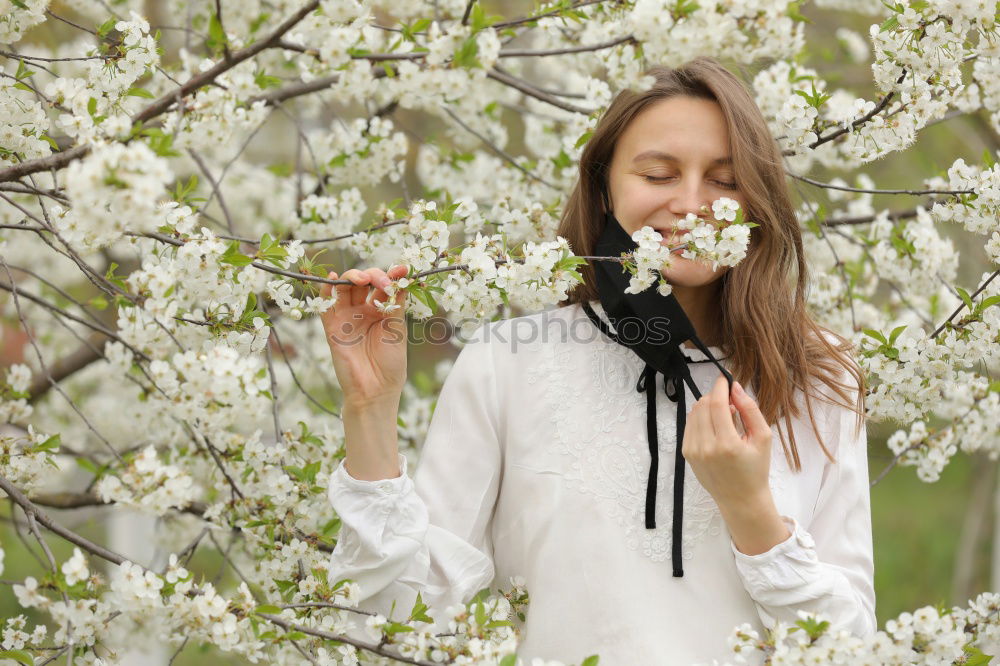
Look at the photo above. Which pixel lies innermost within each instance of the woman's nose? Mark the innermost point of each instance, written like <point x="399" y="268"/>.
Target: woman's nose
<point x="688" y="197"/>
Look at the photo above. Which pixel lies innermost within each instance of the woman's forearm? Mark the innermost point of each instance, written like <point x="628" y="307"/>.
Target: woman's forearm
<point x="371" y="439"/>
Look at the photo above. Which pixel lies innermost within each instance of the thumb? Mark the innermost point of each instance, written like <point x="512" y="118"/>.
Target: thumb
<point x="756" y="425"/>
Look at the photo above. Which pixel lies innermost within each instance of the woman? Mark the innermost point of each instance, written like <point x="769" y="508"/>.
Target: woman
<point x="538" y="464"/>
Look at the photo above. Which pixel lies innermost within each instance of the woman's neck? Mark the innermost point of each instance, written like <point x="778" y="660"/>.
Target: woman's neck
<point x="701" y="305"/>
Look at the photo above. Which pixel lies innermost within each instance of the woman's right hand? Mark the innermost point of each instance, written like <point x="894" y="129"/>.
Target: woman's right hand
<point x="368" y="346"/>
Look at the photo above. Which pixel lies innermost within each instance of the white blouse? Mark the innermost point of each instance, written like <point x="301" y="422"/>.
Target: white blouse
<point x="535" y="465"/>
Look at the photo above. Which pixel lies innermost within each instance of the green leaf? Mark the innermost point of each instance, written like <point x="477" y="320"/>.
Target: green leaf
<point x="592" y="660"/>
<point x="106" y="27"/>
<point x="562" y="161"/>
<point x="509" y="660"/>
<point x="48" y="446"/>
<point x="872" y="333"/>
<point x="267" y="608"/>
<point x="975" y="657"/>
<point x="793" y="12"/>
<point x="286" y="587"/>
<point x="466" y="54"/>
<point x="895" y="333"/>
<point x="19" y="4"/>
<point x="140" y="92"/>
<point x="480" y="613"/>
<point x="22" y="71"/>
<point x="20" y="656"/>
<point x="964" y="295"/>
<point x="889" y="24"/>
<point x="234" y="257"/>
<point x="310" y="471"/>
<point x="812" y="627"/>
<point x="395" y="628"/>
<point x="257" y="22"/>
<point x="92" y="106"/>
<point x="264" y="80"/>
<point x="216" y="35"/>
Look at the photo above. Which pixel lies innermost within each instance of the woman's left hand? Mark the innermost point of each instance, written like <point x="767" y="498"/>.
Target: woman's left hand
<point x="734" y="467"/>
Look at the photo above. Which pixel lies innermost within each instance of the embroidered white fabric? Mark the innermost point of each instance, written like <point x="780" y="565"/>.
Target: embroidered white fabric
<point x="535" y="465"/>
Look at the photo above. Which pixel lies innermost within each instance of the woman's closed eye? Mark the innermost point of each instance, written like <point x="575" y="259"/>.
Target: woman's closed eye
<point x="662" y="179"/>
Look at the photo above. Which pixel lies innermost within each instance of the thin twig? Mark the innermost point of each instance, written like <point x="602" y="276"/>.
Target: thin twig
<point x="845" y="188"/>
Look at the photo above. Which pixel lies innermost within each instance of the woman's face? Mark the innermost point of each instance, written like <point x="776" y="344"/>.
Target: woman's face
<point x="672" y="159"/>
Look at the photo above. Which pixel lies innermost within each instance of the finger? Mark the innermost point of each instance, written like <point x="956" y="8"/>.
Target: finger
<point x="326" y="289"/>
<point x="740" y="430"/>
<point x="722" y="419"/>
<point x="700" y="427"/>
<point x="398" y="271"/>
<point x="379" y="282"/>
<point x="753" y="420"/>
<point x="356" y="292"/>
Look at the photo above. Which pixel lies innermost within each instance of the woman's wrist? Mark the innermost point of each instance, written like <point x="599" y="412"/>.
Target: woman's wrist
<point x="371" y="439"/>
<point x="755" y="526"/>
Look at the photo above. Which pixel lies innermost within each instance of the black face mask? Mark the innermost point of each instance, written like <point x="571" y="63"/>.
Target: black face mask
<point x="654" y="327"/>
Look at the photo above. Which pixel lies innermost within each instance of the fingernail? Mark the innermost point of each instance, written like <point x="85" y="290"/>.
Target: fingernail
<point x="738" y="389"/>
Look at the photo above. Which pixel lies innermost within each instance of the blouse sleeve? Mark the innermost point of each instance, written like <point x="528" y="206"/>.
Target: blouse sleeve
<point x="430" y="535"/>
<point x="827" y="570"/>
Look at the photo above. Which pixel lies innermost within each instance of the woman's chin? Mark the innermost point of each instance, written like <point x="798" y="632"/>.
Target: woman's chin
<point x="691" y="273"/>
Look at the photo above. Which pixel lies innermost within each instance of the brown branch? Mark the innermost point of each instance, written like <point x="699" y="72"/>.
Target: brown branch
<point x="66" y="500"/>
<point x="536" y="53"/>
<point x="63" y="367"/>
<point x="972" y="296"/>
<point x="55" y="161"/>
<point x="361" y="645"/>
<point x="865" y="219"/>
<point x="531" y="91"/>
<point x="882" y="103"/>
<point x="28" y="507"/>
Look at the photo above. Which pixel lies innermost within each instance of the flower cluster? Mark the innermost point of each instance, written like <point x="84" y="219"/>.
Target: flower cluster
<point x="978" y="211"/>
<point x="363" y="152"/>
<point x="926" y="636"/>
<point x="19" y="17"/>
<point x="113" y="190"/>
<point x="15" y="635"/>
<point x="25" y="456"/>
<point x="14" y="407"/>
<point x="725" y="244"/>
<point x="149" y="484"/>
<point x="23" y="123"/>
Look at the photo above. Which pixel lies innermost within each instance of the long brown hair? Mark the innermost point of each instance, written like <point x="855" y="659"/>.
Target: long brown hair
<point x="770" y="339"/>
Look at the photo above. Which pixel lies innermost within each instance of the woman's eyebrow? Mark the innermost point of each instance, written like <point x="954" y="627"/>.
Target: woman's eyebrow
<point x="667" y="157"/>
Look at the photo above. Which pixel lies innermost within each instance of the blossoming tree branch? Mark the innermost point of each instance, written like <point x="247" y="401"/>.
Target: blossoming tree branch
<point x="174" y="187"/>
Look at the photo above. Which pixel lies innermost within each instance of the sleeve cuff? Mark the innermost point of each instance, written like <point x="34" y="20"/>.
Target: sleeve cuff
<point x="786" y="565"/>
<point x="395" y="486"/>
